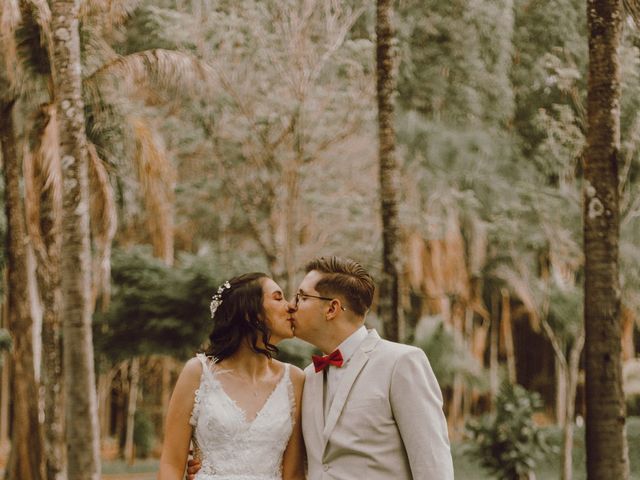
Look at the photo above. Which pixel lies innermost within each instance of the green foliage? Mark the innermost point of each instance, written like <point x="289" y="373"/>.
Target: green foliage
<point x="296" y="352"/>
<point x="508" y="443"/>
<point x="154" y="308"/>
<point x="455" y="59"/>
<point x="159" y="309"/>
<point x="143" y="433"/>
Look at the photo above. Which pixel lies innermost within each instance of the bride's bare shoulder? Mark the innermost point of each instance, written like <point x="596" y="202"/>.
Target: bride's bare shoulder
<point x="192" y="370"/>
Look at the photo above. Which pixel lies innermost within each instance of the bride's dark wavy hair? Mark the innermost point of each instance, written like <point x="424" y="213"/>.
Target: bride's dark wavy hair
<point x="239" y="317"/>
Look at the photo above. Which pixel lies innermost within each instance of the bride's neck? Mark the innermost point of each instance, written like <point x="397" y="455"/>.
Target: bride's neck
<point x="247" y="362"/>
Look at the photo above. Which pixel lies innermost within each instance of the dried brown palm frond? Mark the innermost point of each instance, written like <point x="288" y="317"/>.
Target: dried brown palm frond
<point x="632" y="7"/>
<point x="520" y="285"/>
<point x="156" y="175"/>
<point x="157" y="68"/>
<point x="113" y="12"/>
<point x="477" y="241"/>
<point x="103" y="226"/>
<point x="42" y="15"/>
<point x="414" y="260"/>
<point x="43" y="182"/>
<point x="9" y="19"/>
<point x="455" y="266"/>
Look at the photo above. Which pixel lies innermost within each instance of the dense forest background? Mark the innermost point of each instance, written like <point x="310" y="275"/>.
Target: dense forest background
<point x="233" y="136"/>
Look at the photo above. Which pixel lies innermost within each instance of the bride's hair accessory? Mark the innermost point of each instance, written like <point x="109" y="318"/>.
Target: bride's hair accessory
<point x="216" y="300"/>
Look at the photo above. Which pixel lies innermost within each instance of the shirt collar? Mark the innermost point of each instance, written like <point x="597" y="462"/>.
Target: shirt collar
<point x="349" y="346"/>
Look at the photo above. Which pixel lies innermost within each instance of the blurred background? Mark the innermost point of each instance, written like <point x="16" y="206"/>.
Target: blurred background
<point x="233" y="136"/>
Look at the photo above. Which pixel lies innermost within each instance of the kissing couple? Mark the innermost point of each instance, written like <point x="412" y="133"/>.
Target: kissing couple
<point x="368" y="408"/>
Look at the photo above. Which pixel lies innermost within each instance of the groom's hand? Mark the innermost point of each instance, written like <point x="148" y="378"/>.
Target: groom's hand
<point x="193" y="465"/>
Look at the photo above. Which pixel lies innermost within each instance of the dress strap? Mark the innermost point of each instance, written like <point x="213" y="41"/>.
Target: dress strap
<point x="290" y="393"/>
<point x="207" y="380"/>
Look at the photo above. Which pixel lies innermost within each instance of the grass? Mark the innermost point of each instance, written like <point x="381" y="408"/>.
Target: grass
<point x="120" y="467"/>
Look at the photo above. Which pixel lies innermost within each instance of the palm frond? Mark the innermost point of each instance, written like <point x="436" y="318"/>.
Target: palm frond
<point x="157" y="68"/>
<point x="521" y="287"/>
<point x="43" y="180"/>
<point x="34" y="43"/>
<point x="157" y="178"/>
<point x="103" y="226"/>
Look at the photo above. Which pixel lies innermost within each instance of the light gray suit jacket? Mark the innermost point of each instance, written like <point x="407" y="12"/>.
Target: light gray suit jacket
<point x="386" y="420"/>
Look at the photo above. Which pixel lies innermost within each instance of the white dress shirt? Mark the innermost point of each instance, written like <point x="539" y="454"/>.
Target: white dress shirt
<point x="334" y="374"/>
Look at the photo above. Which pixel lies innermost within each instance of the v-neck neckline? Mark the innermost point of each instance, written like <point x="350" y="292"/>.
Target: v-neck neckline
<point x="241" y="410"/>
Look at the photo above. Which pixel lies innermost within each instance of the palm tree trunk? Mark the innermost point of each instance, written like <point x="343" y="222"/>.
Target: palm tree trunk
<point x="46" y="237"/>
<point x="80" y="390"/>
<point x="48" y="273"/>
<point x="607" y="455"/>
<point x="26" y="459"/>
<point x="389" y="303"/>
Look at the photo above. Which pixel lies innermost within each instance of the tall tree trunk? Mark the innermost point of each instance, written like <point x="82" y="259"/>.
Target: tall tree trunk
<point x="494" y="339"/>
<point x="48" y="253"/>
<point x="390" y="307"/>
<point x="104" y="410"/>
<point x="134" y="377"/>
<point x="573" y="370"/>
<point x="167" y="367"/>
<point x="26" y="459"/>
<point x="507" y="332"/>
<point x="5" y="386"/>
<point x="562" y="376"/>
<point x="607" y="455"/>
<point x="80" y="389"/>
<point x="52" y="369"/>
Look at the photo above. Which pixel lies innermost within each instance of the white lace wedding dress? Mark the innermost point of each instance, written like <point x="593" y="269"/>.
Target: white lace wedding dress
<point x="231" y="446"/>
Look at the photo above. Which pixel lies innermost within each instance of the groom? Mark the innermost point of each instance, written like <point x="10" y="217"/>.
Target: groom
<point x="371" y="408"/>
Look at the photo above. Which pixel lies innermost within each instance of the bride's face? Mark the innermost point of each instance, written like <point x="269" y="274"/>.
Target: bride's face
<point x="276" y="311"/>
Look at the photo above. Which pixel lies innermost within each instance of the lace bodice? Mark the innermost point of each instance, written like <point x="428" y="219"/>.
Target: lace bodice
<point x="229" y="445"/>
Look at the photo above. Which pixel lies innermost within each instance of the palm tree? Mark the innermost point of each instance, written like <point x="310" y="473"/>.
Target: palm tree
<point x="607" y="455"/>
<point x="43" y="173"/>
<point x="26" y="458"/>
<point x="390" y="308"/>
<point x="81" y="409"/>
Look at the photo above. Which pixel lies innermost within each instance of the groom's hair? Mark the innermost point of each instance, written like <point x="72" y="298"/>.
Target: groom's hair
<point x="346" y="278"/>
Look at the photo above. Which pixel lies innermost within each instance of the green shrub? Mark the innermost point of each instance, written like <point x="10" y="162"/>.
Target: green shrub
<point x="508" y="443"/>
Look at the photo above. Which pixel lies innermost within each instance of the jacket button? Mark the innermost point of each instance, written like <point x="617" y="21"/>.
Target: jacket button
<point x="325" y="467"/>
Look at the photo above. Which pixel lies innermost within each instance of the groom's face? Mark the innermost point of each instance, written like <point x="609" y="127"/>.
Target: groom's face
<point x="309" y="317"/>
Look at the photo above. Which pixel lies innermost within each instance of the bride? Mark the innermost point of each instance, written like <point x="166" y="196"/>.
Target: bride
<point x="239" y="406"/>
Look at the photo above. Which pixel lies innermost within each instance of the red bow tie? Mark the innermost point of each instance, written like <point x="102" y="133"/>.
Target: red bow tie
<point x="320" y="363"/>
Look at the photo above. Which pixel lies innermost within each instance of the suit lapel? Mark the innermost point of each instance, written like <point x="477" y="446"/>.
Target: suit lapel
<point x="355" y="365"/>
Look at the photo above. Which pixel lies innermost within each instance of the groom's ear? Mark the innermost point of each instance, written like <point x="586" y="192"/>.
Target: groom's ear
<point x="335" y="307"/>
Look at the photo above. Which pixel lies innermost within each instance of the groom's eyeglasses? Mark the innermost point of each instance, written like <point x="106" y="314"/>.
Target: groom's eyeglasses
<point x="305" y="295"/>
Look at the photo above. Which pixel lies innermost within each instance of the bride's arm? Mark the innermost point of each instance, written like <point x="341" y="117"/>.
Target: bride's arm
<point x="293" y="462"/>
<point x="175" y="448"/>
